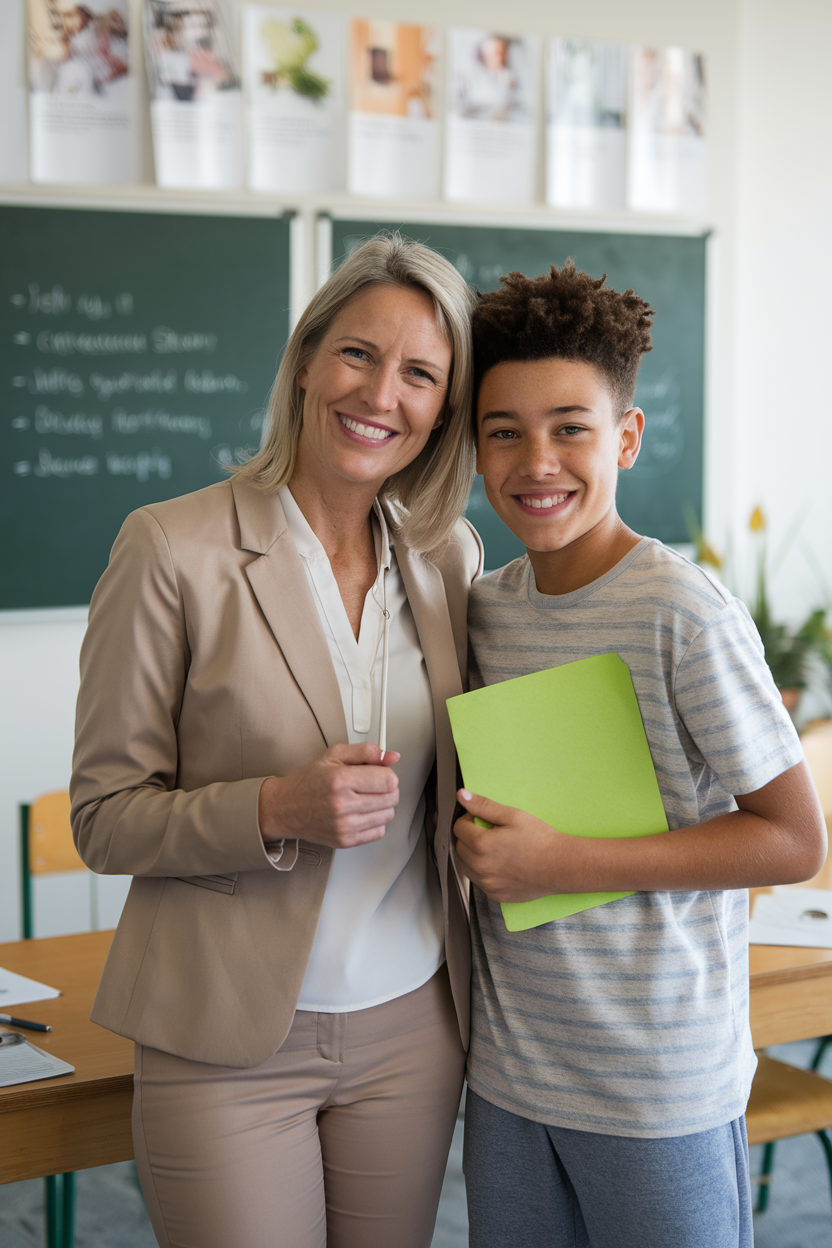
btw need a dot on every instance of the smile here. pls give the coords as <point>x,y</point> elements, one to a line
<point>542,504</point>
<point>374,432</point>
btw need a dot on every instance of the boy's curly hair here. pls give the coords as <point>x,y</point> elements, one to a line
<point>564,315</point>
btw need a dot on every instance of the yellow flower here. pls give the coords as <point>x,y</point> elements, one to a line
<point>758,520</point>
<point>706,554</point>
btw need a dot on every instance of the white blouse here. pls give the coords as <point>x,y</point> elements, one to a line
<point>380,933</point>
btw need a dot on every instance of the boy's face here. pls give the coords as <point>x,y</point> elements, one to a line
<point>549,448</point>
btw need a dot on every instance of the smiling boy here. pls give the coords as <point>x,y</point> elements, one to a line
<point>611,1056</point>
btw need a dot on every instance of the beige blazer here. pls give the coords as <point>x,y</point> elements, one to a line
<point>204,670</point>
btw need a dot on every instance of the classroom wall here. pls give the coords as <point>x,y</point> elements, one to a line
<point>766,200</point>
<point>784,273</point>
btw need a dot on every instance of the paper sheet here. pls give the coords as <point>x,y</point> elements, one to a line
<point>18,990</point>
<point>801,917</point>
<point>23,1062</point>
<point>568,746</point>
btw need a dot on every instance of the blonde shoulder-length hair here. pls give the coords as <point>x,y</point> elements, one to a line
<point>429,495</point>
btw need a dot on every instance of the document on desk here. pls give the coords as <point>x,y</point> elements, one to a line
<point>567,745</point>
<point>800,917</point>
<point>18,990</point>
<point>23,1062</point>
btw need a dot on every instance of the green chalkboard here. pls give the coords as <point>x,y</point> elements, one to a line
<point>668,271</point>
<point>136,355</point>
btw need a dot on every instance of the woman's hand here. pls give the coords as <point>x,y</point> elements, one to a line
<point>345,798</point>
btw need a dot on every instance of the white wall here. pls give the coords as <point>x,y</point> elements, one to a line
<point>783,408</point>
<point>38,662</point>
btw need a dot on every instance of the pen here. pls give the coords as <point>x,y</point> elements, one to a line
<point>21,1022</point>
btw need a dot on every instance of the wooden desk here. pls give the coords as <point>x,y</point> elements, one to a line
<point>791,989</point>
<point>83,1120</point>
<point>79,1120</point>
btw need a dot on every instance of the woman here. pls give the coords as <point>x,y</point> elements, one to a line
<point>292,960</point>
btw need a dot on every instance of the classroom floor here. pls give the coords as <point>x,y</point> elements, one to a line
<point>111,1212</point>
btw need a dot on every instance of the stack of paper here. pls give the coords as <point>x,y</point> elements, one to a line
<point>568,746</point>
<point>792,916</point>
<point>22,1062</point>
<point>17,989</point>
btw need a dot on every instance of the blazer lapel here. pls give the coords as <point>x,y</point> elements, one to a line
<point>426,595</point>
<point>279,582</point>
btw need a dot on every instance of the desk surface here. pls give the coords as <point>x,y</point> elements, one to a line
<point>73,1121</point>
<point>82,1120</point>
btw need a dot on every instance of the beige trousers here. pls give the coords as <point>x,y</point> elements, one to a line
<point>338,1141</point>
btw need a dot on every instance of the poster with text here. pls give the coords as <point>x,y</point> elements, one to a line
<point>667,157</point>
<point>586,117</point>
<point>293,70</point>
<point>14,166</point>
<point>394,129</point>
<point>196,108</point>
<point>81,92</point>
<point>492,116</point>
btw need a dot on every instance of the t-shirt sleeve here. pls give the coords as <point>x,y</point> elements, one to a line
<point>730,706</point>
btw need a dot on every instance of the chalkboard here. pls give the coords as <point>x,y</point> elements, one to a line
<point>666,270</point>
<point>136,355</point>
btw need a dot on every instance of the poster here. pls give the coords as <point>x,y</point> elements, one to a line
<point>667,157</point>
<point>196,109</point>
<point>13,163</point>
<point>491,132</point>
<point>394,130</point>
<point>81,92</point>
<point>586,117</point>
<point>294,80</point>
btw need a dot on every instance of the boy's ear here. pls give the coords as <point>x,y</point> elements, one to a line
<point>629,431</point>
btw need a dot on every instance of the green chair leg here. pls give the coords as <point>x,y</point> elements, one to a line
<point>824,1044</point>
<point>764,1178</point>
<point>53,1222</point>
<point>823,1136</point>
<point>68,1211</point>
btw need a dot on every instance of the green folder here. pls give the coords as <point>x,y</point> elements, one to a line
<point>568,746</point>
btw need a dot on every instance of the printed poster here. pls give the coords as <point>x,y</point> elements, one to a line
<point>491,132</point>
<point>14,165</point>
<point>81,92</point>
<point>394,129</point>
<point>586,118</point>
<point>196,108</point>
<point>294,78</point>
<point>667,159</point>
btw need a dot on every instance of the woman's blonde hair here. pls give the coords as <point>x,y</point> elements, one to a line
<point>430,493</point>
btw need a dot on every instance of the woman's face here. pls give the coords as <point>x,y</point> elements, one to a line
<point>375,389</point>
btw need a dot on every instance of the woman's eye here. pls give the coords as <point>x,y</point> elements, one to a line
<point>571,430</point>
<point>355,353</point>
<point>504,435</point>
<point>421,375</point>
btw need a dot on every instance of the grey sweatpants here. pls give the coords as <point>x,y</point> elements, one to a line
<point>535,1186</point>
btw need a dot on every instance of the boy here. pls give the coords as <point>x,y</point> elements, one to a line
<point>611,1056</point>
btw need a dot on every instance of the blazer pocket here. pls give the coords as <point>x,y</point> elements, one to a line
<point>216,883</point>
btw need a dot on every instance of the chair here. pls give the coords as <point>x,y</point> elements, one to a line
<point>786,1101</point>
<point>46,846</point>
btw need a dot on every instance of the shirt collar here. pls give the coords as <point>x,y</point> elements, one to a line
<point>309,546</point>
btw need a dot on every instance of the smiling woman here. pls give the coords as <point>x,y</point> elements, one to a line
<point>300,1029</point>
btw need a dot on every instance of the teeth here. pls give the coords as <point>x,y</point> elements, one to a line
<point>542,504</point>
<point>365,431</point>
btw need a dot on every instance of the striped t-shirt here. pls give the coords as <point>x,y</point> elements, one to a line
<point>632,1018</point>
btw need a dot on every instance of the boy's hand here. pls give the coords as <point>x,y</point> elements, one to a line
<point>511,860</point>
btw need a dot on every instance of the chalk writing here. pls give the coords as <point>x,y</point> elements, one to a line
<point>155,382</point>
<point>67,342</point>
<point>206,383</point>
<point>140,465</point>
<point>140,422</point>
<point>47,421</point>
<point>167,341</point>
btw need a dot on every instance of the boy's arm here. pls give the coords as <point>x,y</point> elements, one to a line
<point>778,836</point>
